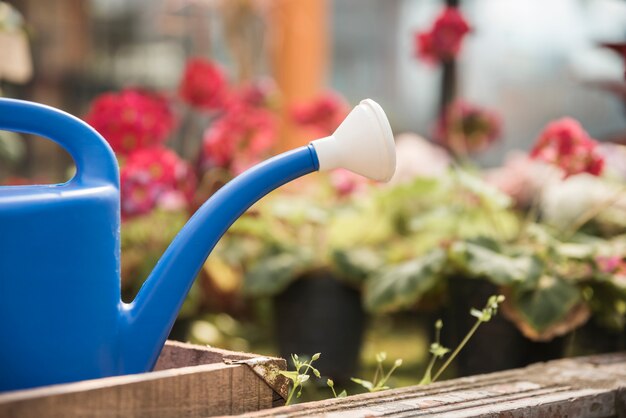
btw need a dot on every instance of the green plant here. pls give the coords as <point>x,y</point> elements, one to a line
<point>300,375</point>
<point>438,351</point>
<point>379,381</point>
<point>331,385</point>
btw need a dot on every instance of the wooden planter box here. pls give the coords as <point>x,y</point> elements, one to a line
<point>188,381</point>
<point>584,387</point>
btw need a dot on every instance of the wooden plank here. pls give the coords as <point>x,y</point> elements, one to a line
<point>198,390</point>
<point>592,386</point>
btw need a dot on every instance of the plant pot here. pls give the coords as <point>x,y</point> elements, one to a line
<point>496,345</point>
<point>319,314</point>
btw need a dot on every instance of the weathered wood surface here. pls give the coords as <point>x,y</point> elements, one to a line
<point>188,381</point>
<point>591,387</point>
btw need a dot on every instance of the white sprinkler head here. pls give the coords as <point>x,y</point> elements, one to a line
<point>363,144</point>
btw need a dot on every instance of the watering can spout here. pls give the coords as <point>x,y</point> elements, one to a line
<point>363,143</point>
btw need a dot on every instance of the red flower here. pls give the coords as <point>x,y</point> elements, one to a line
<point>566,144</point>
<point>443,40</point>
<point>258,94</point>
<point>323,115</point>
<point>239,139</point>
<point>151,176</point>
<point>203,85</point>
<point>465,128</point>
<point>131,119</point>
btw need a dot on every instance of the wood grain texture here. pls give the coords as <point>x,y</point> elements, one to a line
<point>206,386</point>
<point>593,387</point>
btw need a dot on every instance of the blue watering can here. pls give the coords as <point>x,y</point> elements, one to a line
<point>61,316</point>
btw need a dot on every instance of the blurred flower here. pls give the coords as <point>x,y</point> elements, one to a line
<point>239,139</point>
<point>465,128</point>
<point>261,93</point>
<point>614,156</point>
<point>566,144</point>
<point>416,157</point>
<point>323,115</point>
<point>131,119</point>
<point>522,178</point>
<point>611,264</point>
<point>347,183</point>
<point>203,85</point>
<point>155,176</point>
<point>564,202</point>
<point>443,40</point>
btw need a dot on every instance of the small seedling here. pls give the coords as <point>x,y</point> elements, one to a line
<point>331,385</point>
<point>300,375</point>
<point>438,351</point>
<point>380,377</point>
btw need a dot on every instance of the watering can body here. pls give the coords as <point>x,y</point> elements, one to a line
<point>61,316</point>
<point>59,254</point>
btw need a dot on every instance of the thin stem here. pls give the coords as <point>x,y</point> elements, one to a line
<point>428,373</point>
<point>291,392</point>
<point>388,375</point>
<point>458,349</point>
<point>379,371</point>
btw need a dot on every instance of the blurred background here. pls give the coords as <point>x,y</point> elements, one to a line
<point>227,83</point>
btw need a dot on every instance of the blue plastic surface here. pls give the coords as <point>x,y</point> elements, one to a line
<point>61,317</point>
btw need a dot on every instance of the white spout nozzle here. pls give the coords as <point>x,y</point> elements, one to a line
<point>363,144</point>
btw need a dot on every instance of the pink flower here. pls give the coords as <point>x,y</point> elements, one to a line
<point>521,177</point>
<point>347,183</point>
<point>151,176</point>
<point>443,40</point>
<point>610,264</point>
<point>322,115</point>
<point>258,94</point>
<point>203,85</point>
<point>239,139</point>
<point>131,119</point>
<point>567,145</point>
<point>466,128</point>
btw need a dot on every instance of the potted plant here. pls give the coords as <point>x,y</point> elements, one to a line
<point>557,265</point>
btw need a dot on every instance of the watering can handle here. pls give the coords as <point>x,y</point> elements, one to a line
<point>95,161</point>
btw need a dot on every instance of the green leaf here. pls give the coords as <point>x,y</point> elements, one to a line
<point>342,394</point>
<point>356,264</point>
<point>403,285</point>
<point>546,304</point>
<point>481,262</point>
<point>291,375</point>
<point>438,350</point>
<point>365,383</point>
<point>272,275</point>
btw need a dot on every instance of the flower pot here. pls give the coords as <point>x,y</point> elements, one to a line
<point>319,314</point>
<point>498,344</point>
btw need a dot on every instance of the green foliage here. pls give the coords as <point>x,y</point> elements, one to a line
<point>402,286</point>
<point>300,375</point>
<point>379,381</point>
<point>273,274</point>
<point>546,303</point>
<point>438,351</point>
<point>479,261</point>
